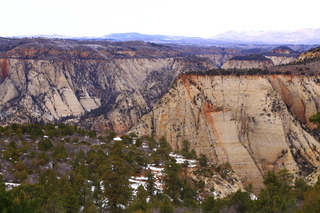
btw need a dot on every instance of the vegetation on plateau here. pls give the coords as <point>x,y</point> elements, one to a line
<point>238,72</point>
<point>69,169</point>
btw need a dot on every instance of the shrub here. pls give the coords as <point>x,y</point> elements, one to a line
<point>45,144</point>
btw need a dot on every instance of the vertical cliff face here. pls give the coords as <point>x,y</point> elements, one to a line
<point>97,84</point>
<point>111,93</point>
<point>254,122</point>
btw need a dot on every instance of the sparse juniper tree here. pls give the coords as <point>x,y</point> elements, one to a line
<point>315,119</point>
<point>203,160</point>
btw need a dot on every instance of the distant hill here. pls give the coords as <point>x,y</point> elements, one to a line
<point>230,38</point>
<point>303,36</point>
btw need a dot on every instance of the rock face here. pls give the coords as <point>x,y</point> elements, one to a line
<point>247,64</point>
<point>280,60</point>
<point>257,123</point>
<point>96,84</point>
<point>43,90</point>
<point>253,61</point>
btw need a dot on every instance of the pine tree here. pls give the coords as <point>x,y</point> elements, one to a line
<point>141,199</point>
<point>278,196</point>
<point>150,183</point>
<point>116,183</point>
<point>172,182</point>
<point>166,206</point>
<point>71,198</point>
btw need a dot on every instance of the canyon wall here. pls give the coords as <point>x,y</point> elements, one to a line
<point>95,84</point>
<point>247,64</point>
<point>257,123</point>
<point>49,90</point>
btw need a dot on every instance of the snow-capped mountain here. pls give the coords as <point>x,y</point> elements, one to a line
<point>303,36</point>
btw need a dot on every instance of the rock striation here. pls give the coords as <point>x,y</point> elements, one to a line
<point>97,84</point>
<point>256,123</point>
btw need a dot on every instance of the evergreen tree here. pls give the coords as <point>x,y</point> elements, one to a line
<point>140,202</point>
<point>45,144</point>
<point>55,203</point>
<point>278,196</point>
<point>203,160</point>
<point>312,200</point>
<point>164,148</point>
<point>166,206</point>
<point>172,182</point>
<point>116,183</point>
<point>241,201</point>
<point>71,198</point>
<point>315,119</point>
<point>150,183</point>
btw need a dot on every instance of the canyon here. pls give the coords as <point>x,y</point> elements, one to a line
<point>95,84</point>
<point>257,123</point>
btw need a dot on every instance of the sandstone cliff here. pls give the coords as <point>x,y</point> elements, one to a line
<point>96,84</point>
<point>257,123</point>
<point>44,90</point>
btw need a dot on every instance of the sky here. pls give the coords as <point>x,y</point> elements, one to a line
<point>197,18</point>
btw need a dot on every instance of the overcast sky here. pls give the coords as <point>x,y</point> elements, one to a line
<point>201,18</point>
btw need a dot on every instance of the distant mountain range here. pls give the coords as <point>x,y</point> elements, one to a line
<point>303,36</point>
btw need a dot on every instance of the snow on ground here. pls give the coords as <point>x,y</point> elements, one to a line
<point>136,181</point>
<point>9,186</point>
<point>253,197</point>
<point>157,172</point>
<point>180,160</point>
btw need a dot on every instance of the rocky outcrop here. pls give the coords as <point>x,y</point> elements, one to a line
<point>282,55</point>
<point>311,55</point>
<point>278,56</point>
<point>217,59</point>
<point>253,61</point>
<point>281,60</point>
<point>257,123</point>
<point>247,64</point>
<point>282,50</point>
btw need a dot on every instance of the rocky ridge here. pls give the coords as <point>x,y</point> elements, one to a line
<point>256,123</point>
<point>278,56</point>
<point>311,55</point>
